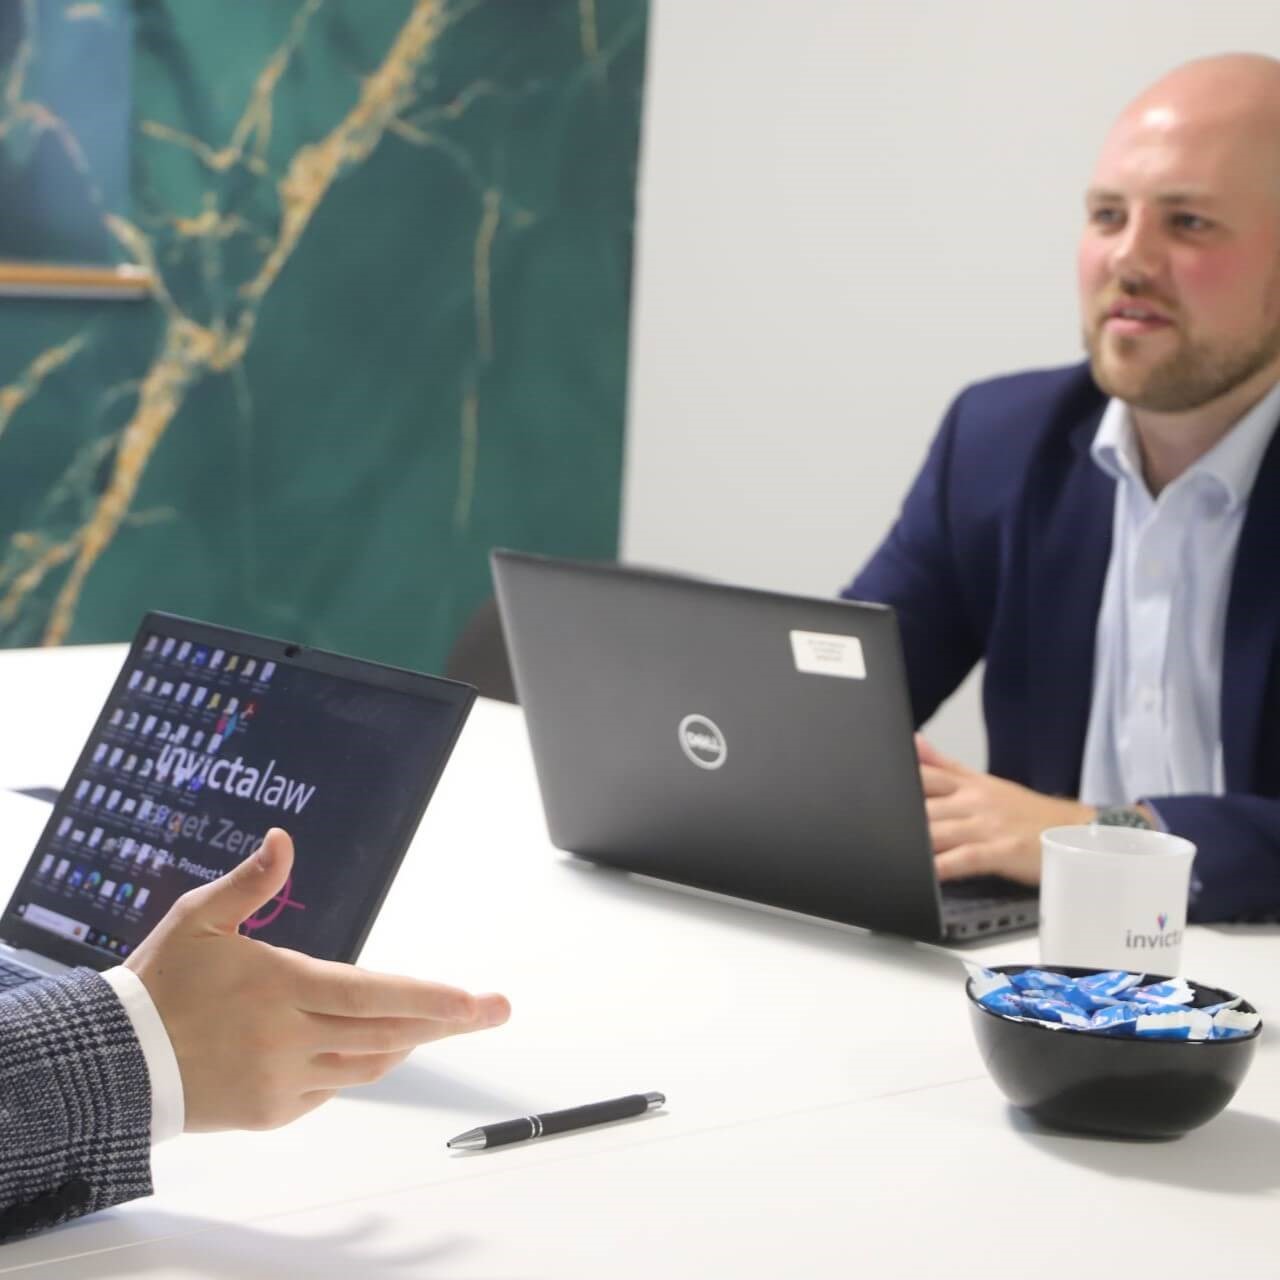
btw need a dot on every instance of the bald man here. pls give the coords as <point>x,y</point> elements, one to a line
<point>1107,536</point>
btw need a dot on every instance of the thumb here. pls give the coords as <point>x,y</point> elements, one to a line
<point>222,905</point>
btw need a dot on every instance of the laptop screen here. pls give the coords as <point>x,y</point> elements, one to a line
<point>209,738</point>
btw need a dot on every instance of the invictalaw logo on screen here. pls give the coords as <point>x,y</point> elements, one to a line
<point>196,770</point>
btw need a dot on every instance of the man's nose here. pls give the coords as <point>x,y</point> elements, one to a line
<point>1137,252</point>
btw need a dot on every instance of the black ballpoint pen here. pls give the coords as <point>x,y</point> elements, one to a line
<point>498,1135</point>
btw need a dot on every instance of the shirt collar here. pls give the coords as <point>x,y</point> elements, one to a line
<point>1232,463</point>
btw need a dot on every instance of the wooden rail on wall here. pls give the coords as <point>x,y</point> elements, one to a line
<point>72,280</point>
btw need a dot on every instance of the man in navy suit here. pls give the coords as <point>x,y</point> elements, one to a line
<point>202,1028</point>
<point>1107,536</point>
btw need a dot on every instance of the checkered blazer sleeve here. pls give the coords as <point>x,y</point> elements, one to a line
<point>75,1103</point>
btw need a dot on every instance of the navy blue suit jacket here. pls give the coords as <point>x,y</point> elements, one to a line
<point>1000,553</point>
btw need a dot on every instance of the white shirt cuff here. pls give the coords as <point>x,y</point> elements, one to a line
<point>168,1103</point>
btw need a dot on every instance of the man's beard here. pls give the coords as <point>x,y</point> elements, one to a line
<point>1194,376</point>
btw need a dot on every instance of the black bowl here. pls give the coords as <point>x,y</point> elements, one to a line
<point>1112,1085</point>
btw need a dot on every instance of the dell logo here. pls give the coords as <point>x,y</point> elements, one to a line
<point>702,741</point>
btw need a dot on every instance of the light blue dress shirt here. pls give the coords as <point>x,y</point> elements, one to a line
<point>1154,719</point>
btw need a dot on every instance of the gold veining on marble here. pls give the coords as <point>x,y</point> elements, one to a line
<point>16,394</point>
<point>255,121</point>
<point>18,110</point>
<point>30,578</point>
<point>470,441</point>
<point>589,30</point>
<point>483,273</point>
<point>313,169</point>
<point>189,350</point>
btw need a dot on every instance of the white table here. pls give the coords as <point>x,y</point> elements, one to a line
<point>808,1132</point>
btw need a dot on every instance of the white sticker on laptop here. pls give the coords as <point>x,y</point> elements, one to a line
<point>819,654</point>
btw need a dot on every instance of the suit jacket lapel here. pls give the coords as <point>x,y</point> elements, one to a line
<point>1253,624</point>
<point>1069,547</point>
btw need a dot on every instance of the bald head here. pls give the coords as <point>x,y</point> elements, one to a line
<point>1229,104</point>
<point>1179,261</point>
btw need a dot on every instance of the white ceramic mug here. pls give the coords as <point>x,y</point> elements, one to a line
<point>1114,898</point>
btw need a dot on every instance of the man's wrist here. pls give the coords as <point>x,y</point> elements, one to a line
<point>168,1101</point>
<point>1137,816</point>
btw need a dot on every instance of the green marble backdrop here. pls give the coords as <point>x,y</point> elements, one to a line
<point>393,244</point>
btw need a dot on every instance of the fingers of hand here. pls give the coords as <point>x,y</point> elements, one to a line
<point>962,861</point>
<point>928,754</point>
<point>344,991</point>
<point>951,833</point>
<point>342,1070</point>
<point>938,782</point>
<point>332,1033</point>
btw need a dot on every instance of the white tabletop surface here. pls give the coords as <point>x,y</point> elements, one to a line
<point>828,1112</point>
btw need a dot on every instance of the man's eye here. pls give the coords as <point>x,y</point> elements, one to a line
<point>1106,217</point>
<point>1190,222</point>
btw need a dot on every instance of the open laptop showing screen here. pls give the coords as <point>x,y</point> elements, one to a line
<point>210,737</point>
<point>745,742</point>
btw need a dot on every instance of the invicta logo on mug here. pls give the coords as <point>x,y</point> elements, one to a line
<point>1163,938</point>
<point>702,742</point>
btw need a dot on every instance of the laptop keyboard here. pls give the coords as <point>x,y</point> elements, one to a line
<point>986,904</point>
<point>15,975</point>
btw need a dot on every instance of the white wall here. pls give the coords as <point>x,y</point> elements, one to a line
<point>848,210</point>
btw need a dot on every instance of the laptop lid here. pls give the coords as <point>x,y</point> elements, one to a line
<point>209,737</point>
<point>742,741</point>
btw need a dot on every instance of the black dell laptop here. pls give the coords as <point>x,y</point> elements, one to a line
<point>745,742</point>
<point>208,738</point>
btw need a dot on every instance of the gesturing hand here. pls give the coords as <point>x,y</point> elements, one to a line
<point>982,825</point>
<point>263,1034</point>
